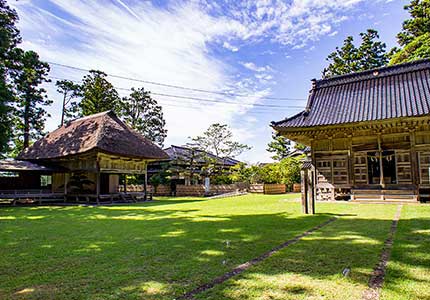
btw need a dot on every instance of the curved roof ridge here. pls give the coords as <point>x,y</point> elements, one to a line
<point>385,93</point>
<point>375,72</point>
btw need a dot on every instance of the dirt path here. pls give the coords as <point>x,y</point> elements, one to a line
<point>241,268</point>
<point>378,274</point>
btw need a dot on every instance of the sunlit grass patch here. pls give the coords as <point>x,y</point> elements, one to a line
<point>162,249</point>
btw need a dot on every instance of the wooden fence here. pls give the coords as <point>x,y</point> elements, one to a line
<point>199,190</point>
<point>275,188</point>
<point>194,190</point>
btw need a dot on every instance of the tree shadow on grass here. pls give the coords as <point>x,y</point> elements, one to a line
<point>109,253</point>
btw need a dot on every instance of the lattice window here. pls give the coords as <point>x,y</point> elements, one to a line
<point>340,170</point>
<point>360,168</point>
<point>324,170</point>
<point>404,169</point>
<point>424,158</point>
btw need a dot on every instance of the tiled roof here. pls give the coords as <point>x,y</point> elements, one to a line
<point>103,131</point>
<point>182,153</point>
<point>389,92</point>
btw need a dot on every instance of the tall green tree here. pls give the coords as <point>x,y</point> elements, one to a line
<point>98,94</point>
<point>418,24</point>
<point>70,91</point>
<point>9,39</point>
<point>372,52</point>
<point>415,35</point>
<point>141,112</point>
<point>218,139</point>
<point>31,99</point>
<point>348,59</point>
<point>280,146</point>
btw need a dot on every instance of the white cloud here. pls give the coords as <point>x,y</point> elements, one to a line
<point>172,44</point>
<point>230,47</point>
<point>251,66</point>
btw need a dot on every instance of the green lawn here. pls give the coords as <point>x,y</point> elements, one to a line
<point>163,249</point>
<point>408,275</point>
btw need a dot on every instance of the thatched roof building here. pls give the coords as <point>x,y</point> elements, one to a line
<point>87,155</point>
<point>103,132</point>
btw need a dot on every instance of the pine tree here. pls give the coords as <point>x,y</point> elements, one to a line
<point>70,91</point>
<point>280,146</point>
<point>371,53</point>
<point>30,115</point>
<point>415,36</point>
<point>98,94</point>
<point>348,59</point>
<point>418,24</point>
<point>9,38</point>
<point>141,112</point>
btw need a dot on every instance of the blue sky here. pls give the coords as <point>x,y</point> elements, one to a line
<point>261,49</point>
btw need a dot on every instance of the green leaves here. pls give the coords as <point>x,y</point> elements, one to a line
<point>348,59</point>
<point>415,35</point>
<point>98,94</point>
<point>9,38</point>
<point>141,112</point>
<point>287,171</point>
<point>280,146</point>
<point>30,114</point>
<point>217,139</point>
<point>418,24</point>
<point>418,48</point>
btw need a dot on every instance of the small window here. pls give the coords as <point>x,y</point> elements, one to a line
<point>45,180</point>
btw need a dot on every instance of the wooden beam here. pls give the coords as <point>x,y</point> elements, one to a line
<point>381,166</point>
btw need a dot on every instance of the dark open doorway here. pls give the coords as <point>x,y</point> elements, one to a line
<point>388,166</point>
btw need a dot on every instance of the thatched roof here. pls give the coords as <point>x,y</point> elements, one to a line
<point>386,93</point>
<point>103,132</point>
<point>11,165</point>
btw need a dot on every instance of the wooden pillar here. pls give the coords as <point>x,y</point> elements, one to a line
<point>145,185</point>
<point>312,190</point>
<point>98,181</point>
<point>414,163</point>
<point>125,183</point>
<point>98,187</point>
<point>381,169</point>
<point>350,162</point>
<point>304,175</point>
<point>66,181</point>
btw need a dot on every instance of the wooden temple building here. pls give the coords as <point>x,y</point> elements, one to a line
<point>82,160</point>
<point>369,134</point>
<point>185,161</point>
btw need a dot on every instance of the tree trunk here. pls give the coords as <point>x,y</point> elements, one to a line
<point>26,125</point>
<point>64,109</point>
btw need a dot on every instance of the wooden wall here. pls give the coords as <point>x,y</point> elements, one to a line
<point>342,162</point>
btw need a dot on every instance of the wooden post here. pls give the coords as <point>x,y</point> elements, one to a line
<point>304,175</point>
<point>381,165</point>
<point>98,187</point>
<point>350,162</point>
<point>414,163</point>
<point>312,188</point>
<point>145,185</point>
<point>125,183</point>
<point>66,181</point>
<point>98,181</point>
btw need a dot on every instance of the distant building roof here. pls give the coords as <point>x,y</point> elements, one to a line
<point>11,165</point>
<point>390,92</point>
<point>185,153</point>
<point>103,131</point>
